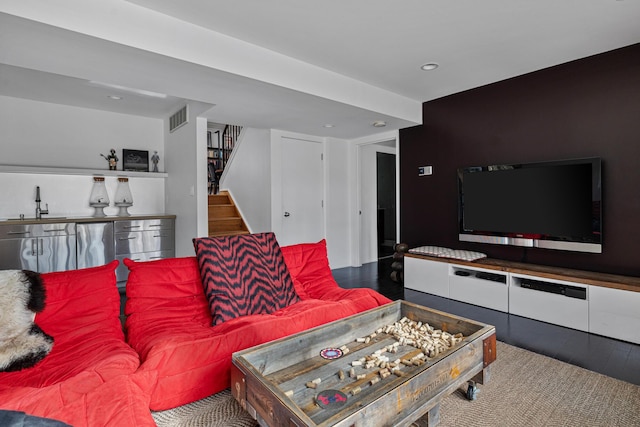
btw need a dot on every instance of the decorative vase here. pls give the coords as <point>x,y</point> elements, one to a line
<point>123,198</point>
<point>99,199</point>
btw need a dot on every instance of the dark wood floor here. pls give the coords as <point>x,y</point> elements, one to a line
<point>617,359</point>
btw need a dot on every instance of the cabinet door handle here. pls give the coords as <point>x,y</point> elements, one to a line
<point>41,245</point>
<point>33,247</point>
<point>54,229</point>
<point>155,225</point>
<point>127,238</point>
<point>131,226</point>
<point>160,235</point>
<point>155,257</point>
<point>18,233</point>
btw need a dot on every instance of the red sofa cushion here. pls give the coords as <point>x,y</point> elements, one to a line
<point>90,363</point>
<point>169,323</point>
<point>309,266</point>
<point>162,296</point>
<point>243,275</point>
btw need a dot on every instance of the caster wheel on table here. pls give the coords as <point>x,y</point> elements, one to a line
<point>472,391</point>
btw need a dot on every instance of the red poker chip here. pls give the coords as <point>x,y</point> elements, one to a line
<point>331,399</point>
<point>330,353</point>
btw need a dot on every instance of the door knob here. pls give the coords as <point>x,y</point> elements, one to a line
<point>286,214</point>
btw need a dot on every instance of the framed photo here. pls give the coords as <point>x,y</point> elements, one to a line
<point>135,160</point>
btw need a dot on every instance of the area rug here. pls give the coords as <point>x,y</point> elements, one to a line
<point>526,389</point>
<point>219,410</point>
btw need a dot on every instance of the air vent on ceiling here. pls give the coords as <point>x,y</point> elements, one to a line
<point>178,119</point>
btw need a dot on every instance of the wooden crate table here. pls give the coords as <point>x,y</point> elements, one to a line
<point>272,381</point>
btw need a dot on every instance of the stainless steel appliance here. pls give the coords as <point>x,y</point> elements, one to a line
<point>95,243</point>
<point>142,240</point>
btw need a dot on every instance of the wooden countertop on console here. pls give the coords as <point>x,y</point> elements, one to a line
<point>626,283</point>
<point>82,219</point>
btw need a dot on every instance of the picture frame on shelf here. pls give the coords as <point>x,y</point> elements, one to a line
<point>135,160</point>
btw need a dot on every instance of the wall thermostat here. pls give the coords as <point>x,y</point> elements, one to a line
<point>425,170</point>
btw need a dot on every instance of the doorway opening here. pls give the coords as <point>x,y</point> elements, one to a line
<point>386,202</point>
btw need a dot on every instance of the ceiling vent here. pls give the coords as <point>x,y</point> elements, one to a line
<point>178,119</point>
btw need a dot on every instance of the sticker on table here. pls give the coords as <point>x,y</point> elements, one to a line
<point>331,353</point>
<point>331,399</point>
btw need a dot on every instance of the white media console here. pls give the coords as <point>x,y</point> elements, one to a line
<point>602,304</point>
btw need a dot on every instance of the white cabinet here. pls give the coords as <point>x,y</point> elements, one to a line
<point>426,276</point>
<point>486,288</point>
<point>589,302</point>
<point>552,301</point>
<point>478,286</point>
<point>615,313</point>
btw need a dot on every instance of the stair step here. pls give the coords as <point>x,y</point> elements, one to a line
<point>219,199</point>
<point>225,224</point>
<point>227,233</point>
<point>224,218</point>
<point>222,211</point>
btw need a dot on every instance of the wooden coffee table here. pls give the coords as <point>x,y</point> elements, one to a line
<point>273,381</point>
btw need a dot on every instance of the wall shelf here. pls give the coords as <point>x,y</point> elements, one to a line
<point>50,170</point>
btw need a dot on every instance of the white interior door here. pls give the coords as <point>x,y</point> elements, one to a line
<point>302,192</point>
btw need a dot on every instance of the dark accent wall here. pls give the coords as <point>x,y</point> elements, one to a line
<point>585,108</point>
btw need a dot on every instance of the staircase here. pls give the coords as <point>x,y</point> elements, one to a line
<point>224,217</point>
<point>219,149</point>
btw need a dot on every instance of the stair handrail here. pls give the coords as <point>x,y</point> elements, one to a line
<point>236,145</point>
<point>230,136</point>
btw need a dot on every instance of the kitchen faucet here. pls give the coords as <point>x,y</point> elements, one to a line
<point>40,211</point>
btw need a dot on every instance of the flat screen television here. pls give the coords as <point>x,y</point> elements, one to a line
<point>553,205</point>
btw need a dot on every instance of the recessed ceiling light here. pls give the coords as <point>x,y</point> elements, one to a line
<point>429,66</point>
<point>114,97</point>
<point>329,125</point>
<point>379,124</point>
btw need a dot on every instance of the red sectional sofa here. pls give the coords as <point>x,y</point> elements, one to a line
<point>93,378</point>
<point>169,321</point>
<point>90,376</point>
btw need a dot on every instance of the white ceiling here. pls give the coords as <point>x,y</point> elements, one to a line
<point>292,64</point>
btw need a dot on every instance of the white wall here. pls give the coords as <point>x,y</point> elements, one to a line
<point>248,178</point>
<point>68,195</point>
<point>186,185</point>
<point>43,134</point>
<point>339,203</point>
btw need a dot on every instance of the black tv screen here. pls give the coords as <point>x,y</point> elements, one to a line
<point>555,205</point>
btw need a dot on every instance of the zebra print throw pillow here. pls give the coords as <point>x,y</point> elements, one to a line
<point>243,275</point>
